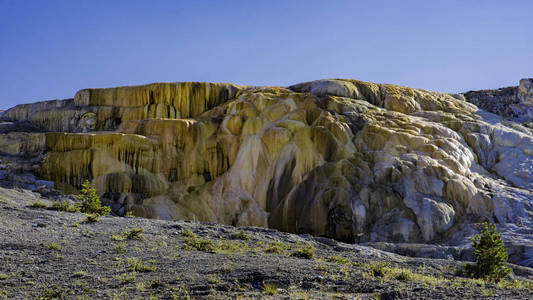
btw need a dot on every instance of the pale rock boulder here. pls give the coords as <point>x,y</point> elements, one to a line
<point>432,216</point>
<point>525,92</point>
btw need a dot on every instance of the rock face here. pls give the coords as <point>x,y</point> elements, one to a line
<point>525,92</point>
<point>515,103</point>
<point>347,159</point>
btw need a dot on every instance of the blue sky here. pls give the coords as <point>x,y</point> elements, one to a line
<point>50,49</point>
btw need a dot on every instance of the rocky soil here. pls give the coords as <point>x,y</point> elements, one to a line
<point>46,254</point>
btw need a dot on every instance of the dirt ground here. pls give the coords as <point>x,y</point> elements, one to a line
<point>47,254</point>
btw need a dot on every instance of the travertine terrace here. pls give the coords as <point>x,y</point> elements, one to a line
<point>346,159</point>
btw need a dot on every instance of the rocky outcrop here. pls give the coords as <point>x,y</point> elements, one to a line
<point>513,103</point>
<point>347,159</point>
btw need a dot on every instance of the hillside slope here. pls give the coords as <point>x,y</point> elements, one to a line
<point>47,255</point>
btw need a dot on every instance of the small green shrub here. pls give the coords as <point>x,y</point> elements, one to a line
<point>404,275</point>
<point>276,247</point>
<point>339,260</point>
<point>378,269</point>
<point>491,255</point>
<point>80,274</point>
<point>199,244</point>
<point>386,271</point>
<point>306,251</point>
<point>55,293</point>
<point>120,248</point>
<point>89,201</point>
<point>92,218</point>
<point>241,235</point>
<point>128,278</point>
<point>4,276</point>
<point>270,288</point>
<point>37,204</point>
<point>53,246</point>
<point>64,206</point>
<point>118,237</point>
<point>75,224</point>
<point>231,247</point>
<point>516,284</point>
<point>321,266</point>
<point>194,242</point>
<point>187,232</point>
<point>137,265</point>
<point>135,233</point>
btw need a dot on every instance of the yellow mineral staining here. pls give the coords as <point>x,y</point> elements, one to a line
<point>307,151</point>
<point>291,125</point>
<point>72,158</point>
<point>55,120</point>
<point>299,114</point>
<point>252,126</point>
<point>326,144</point>
<point>400,100</point>
<point>460,192</point>
<point>186,147</point>
<point>340,130</point>
<point>150,111</point>
<point>23,112</point>
<point>369,91</point>
<point>325,187</point>
<point>243,108</point>
<point>189,98</point>
<point>129,182</point>
<point>115,105</point>
<point>392,97</point>
<point>14,143</point>
<point>408,100</point>
<point>232,124</point>
<point>329,157</point>
<point>275,138</point>
<point>279,110</point>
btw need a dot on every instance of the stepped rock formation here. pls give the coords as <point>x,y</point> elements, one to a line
<point>347,159</point>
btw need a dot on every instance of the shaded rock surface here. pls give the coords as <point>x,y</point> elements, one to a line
<point>346,159</point>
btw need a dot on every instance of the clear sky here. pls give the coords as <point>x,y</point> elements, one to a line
<point>50,49</point>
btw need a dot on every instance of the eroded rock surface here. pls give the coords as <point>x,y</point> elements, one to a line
<point>347,159</point>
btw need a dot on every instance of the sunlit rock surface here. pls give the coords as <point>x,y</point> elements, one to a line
<point>347,159</point>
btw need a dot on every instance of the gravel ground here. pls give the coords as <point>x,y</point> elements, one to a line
<point>46,254</point>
